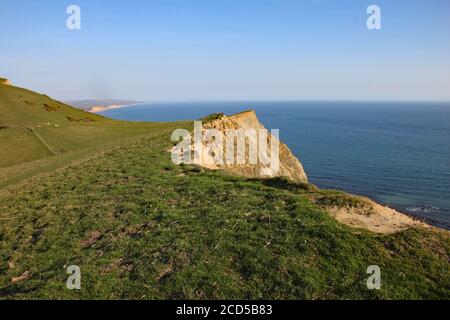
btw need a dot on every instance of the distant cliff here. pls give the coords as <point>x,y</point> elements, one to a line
<point>99,105</point>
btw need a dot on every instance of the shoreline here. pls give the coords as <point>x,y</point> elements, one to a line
<point>403,209</point>
<point>99,109</point>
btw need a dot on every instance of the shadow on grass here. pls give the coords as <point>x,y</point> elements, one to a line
<point>285,184</point>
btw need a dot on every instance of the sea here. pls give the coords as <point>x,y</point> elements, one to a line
<point>397,153</point>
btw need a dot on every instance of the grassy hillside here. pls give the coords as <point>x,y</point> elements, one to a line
<point>140,227</point>
<point>34,126</point>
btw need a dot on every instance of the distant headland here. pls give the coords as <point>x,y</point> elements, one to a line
<point>99,105</point>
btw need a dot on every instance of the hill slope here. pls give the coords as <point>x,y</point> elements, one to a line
<point>140,227</point>
<point>22,108</point>
<point>34,126</point>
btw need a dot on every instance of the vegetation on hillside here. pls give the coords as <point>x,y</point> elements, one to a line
<point>35,127</point>
<point>141,227</point>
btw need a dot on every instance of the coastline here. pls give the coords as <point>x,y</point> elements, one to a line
<point>99,109</point>
<point>100,105</point>
<point>402,209</point>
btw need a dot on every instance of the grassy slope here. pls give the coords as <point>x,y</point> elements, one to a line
<point>34,126</point>
<point>181,232</point>
<point>39,134</point>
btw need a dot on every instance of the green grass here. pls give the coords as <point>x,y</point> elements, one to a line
<point>182,232</point>
<point>212,117</point>
<point>35,126</point>
<point>20,144</point>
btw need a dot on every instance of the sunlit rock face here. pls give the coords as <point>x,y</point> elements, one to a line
<point>280,162</point>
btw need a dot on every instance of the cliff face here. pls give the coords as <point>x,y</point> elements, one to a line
<point>288,165</point>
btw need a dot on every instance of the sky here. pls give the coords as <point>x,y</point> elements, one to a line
<point>196,50</point>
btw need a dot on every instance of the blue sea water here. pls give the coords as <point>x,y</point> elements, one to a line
<point>397,153</point>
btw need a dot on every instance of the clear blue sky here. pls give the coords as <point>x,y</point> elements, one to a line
<point>228,49</point>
